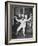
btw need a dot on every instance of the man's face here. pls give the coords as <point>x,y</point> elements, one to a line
<point>22,16</point>
<point>25,16</point>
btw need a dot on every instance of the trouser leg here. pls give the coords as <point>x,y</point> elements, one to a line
<point>18,29</point>
<point>24,31</point>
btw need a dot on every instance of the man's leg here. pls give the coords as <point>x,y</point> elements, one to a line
<point>24,28</point>
<point>24,31</point>
<point>18,29</point>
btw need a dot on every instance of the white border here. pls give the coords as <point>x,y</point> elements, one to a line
<point>34,24</point>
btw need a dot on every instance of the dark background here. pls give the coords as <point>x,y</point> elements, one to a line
<point>29,30</point>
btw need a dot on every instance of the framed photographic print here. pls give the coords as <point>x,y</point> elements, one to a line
<point>20,22</point>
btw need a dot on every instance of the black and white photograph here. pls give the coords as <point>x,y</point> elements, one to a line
<point>20,22</point>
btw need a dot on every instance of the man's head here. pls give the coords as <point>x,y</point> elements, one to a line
<point>22,16</point>
<point>26,16</point>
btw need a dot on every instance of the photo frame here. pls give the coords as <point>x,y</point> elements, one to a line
<point>20,22</point>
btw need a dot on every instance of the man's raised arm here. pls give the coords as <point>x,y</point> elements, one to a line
<point>29,18</point>
<point>17,19</point>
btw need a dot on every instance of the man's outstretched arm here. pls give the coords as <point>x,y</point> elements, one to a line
<point>17,19</point>
<point>29,18</point>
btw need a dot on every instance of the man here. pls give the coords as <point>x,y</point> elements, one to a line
<point>23,23</point>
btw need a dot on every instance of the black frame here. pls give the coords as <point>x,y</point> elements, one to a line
<point>6,14</point>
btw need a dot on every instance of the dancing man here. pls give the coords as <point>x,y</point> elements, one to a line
<point>23,23</point>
